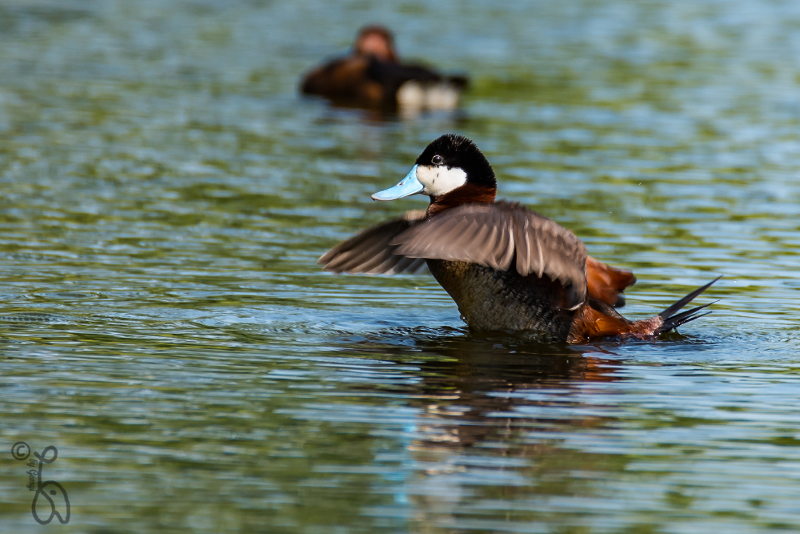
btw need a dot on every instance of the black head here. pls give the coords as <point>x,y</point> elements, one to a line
<point>451,152</point>
<point>451,171</point>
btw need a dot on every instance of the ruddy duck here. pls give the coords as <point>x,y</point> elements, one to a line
<point>506,267</point>
<point>372,76</point>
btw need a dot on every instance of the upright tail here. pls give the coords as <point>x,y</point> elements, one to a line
<point>672,320</point>
<point>596,319</point>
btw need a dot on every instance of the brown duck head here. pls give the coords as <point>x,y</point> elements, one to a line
<point>375,41</point>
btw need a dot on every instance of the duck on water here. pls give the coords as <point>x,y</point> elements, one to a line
<point>507,268</point>
<point>373,76</point>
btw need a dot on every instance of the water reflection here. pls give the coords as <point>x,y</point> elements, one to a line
<point>475,390</point>
<point>493,426</point>
<point>489,384</point>
<point>347,113</point>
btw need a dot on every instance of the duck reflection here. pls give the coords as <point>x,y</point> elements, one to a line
<point>493,388</point>
<point>500,421</point>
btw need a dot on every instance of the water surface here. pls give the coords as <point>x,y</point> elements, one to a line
<point>165,195</point>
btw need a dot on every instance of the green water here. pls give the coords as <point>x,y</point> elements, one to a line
<point>164,196</point>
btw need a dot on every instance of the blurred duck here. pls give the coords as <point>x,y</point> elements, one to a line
<point>507,268</point>
<point>372,76</point>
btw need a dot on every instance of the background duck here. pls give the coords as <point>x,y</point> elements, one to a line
<point>372,76</point>
<point>506,267</point>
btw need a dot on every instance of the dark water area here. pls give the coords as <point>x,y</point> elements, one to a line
<point>165,194</point>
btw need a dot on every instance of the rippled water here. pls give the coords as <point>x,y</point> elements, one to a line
<point>164,195</point>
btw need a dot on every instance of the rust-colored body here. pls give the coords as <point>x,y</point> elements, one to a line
<point>493,300</point>
<point>490,300</point>
<point>606,282</point>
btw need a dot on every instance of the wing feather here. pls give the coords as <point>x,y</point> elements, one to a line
<point>500,235</point>
<point>370,251</point>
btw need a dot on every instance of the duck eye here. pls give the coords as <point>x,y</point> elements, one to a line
<point>437,160</point>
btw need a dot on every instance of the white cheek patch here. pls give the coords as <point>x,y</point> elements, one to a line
<point>440,180</point>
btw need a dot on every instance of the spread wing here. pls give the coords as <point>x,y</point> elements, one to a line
<point>371,251</point>
<point>502,236</point>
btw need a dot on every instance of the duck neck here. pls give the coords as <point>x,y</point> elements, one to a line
<point>466,194</point>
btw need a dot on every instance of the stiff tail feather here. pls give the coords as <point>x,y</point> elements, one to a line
<point>672,319</point>
<point>597,320</point>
